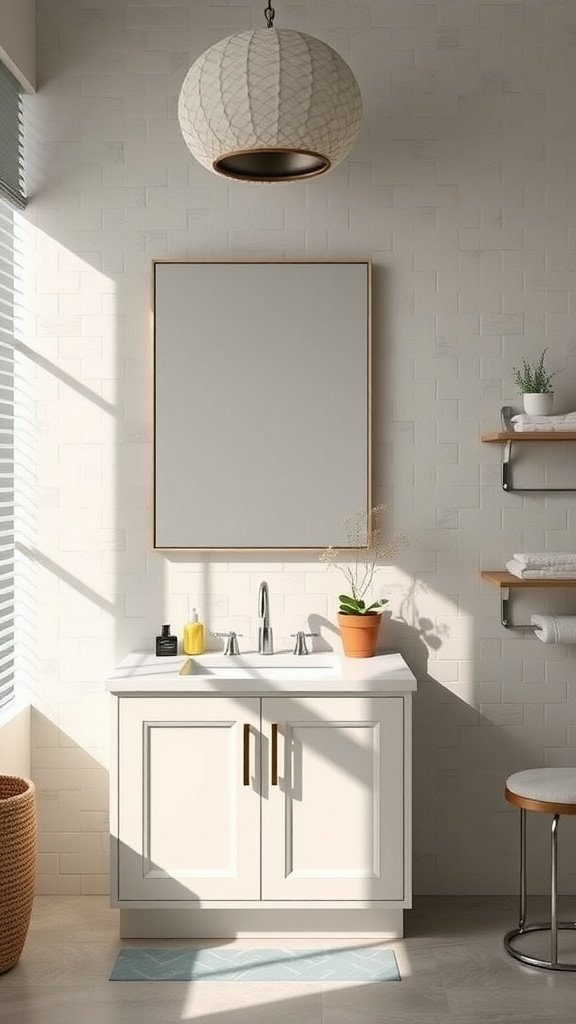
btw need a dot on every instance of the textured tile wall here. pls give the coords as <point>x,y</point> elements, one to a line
<point>461,189</point>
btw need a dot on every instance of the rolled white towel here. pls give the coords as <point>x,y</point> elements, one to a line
<point>555,629</point>
<point>542,559</point>
<point>551,572</point>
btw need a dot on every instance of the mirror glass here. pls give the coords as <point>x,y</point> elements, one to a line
<point>261,403</point>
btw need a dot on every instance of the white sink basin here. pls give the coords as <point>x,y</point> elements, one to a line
<point>275,667</point>
<point>323,673</point>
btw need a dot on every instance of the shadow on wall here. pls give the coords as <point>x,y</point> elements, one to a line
<point>72,800</point>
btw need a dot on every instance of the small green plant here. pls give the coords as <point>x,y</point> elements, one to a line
<point>533,379</point>
<point>355,606</point>
<point>360,561</point>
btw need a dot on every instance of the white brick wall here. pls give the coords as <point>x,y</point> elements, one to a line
<point>461,190</point>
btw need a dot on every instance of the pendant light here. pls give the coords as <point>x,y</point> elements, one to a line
<point>270,105</point>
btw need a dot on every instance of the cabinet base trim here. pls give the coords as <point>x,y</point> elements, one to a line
<point>271,924</point>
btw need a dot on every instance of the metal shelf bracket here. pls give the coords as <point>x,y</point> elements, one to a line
<point>507,484</point>
<point>505,616</point>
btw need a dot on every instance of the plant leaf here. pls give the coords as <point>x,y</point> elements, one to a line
<point>533,378</point>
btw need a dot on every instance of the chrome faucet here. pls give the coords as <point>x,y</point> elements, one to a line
<point>265,638</point>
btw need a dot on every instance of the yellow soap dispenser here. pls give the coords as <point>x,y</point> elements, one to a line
<point>193,639</point>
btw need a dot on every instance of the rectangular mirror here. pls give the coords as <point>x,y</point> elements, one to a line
<point>262,403</point>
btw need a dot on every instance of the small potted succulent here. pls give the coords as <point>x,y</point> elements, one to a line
<point>534,383</point>
<point>359,619</point>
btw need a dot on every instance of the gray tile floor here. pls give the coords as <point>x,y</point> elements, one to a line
<point>452,964</point>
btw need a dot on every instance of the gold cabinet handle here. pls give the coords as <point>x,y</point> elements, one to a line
<point>246,763</point>
<point>274,754</point>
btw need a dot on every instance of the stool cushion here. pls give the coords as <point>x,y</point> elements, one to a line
<point>548,785</point>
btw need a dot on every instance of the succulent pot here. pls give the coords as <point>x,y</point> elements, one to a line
<point>17,865</point>
<point>359,634</point>
<point>538,404</point>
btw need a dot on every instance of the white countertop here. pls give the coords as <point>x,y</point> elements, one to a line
<point>283,673</point>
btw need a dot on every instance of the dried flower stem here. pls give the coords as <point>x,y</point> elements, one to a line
<point>365,558</point>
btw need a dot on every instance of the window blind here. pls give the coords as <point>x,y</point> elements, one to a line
<point>7,302</point>
<point>11,139</point>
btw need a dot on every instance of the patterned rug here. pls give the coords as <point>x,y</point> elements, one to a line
<point>360,964</point>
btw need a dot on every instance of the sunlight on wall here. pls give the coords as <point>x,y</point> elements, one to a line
<point>66,368</point>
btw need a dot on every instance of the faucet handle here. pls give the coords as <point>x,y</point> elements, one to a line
<point>231,641</point>
<point>300,647</point>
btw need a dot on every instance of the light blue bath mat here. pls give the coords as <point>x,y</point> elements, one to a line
<point>360,964</point>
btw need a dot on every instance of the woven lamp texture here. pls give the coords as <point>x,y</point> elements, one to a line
<point>17,865</point>
<point>272,91</point>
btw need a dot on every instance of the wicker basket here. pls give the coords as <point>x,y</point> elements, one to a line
<point>17,865</point>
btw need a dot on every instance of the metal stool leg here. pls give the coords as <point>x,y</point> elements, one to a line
<point>522,915</point>
<point>554,893</point>
<point>554,926</point>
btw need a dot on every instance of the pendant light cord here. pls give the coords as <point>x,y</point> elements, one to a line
<point>269,14</point>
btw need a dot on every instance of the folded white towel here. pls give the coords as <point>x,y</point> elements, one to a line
<point>523,422</point>
<point>524,417</point>
<point>555,629</point>
<point>551,572</point>
<point>548,428</point>
<point>541,559</point>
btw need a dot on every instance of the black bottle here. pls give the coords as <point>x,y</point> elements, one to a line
<point>166,645</point>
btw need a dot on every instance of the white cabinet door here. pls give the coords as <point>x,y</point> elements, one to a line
<point>189,798</point>
<point>333,826</point>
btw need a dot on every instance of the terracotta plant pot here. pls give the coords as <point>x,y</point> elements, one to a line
<point>359,634</point>
<point>17,865</point>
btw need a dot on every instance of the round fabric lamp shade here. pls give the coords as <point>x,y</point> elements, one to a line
<point>270,105</point>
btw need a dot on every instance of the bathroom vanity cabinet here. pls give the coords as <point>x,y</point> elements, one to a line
<point>258,795</point>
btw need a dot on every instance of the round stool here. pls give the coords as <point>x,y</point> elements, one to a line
<point>550,791</point>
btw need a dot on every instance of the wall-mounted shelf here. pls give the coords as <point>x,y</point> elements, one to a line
<point>507,437</point>
<point>505,581</point>
<point>529,435</point>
